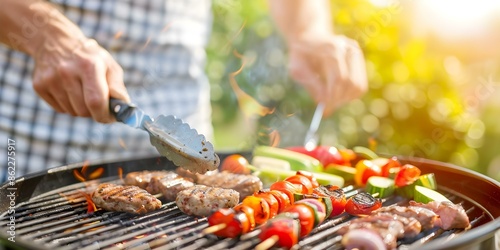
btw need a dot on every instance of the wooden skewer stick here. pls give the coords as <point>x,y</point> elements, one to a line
<point>268,243</point>
<point>214,228</point>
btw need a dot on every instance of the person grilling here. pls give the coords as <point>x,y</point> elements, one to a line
<point>61,61</point>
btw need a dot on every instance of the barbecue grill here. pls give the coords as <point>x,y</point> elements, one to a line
<point>51,213</point>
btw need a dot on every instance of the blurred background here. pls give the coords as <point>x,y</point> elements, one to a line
<point>433,69</point>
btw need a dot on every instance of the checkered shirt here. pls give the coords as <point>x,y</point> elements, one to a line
<point>160,46</point>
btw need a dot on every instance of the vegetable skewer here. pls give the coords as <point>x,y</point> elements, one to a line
<point>300,201</point>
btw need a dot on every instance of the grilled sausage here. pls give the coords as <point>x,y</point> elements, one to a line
<point>200,200</point>
<point>131,199</point>
<point>245,185</point>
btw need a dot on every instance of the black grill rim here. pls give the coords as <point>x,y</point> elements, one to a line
<point>31,185</point>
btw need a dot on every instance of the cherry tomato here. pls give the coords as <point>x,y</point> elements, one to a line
<point>391,167</point>
<point>309,176</point>
<point>233,222</point>
<point>286,187</point>
<point>271,201</point>
<point>406,175</point>
<point>260,208</point>
<point>236,164</point>
<point>362,204</point>
<point>364,170</point>
<point>283,199</point>
<point>325,154</point>
<point>248,211</point>
<point>286,228</point>
<point>336,195</point>
<point>302,182</point>
<point>306,217</point>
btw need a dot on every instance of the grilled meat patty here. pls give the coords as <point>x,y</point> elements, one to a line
<point>131,199</point>
<point>169,186</point>
<point>245,185</point>
<point>200,200</point>
<point>142,178</point>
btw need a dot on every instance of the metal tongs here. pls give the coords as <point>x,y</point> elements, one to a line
<point>311,139</point>
<point>172,137</point>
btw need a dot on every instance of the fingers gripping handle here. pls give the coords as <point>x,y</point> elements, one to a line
<point>120,109</point>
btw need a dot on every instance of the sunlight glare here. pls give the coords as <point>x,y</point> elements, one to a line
<point>456,17</point>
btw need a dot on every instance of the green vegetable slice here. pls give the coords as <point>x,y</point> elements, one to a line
<point>365,152</point>
<point>381,185</point>
<point>268,162</point>
<point>426,195</point>
<point>427,180</point>
<point>345,172</point>
<point>297,161</point>
<point>269,176</point>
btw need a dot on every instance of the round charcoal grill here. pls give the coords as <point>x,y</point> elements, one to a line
<point>51,213</point>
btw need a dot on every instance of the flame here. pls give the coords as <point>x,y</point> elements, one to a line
<point>148,40</point>
<point>145,44</point>
<point>167,26</point>
<point>235,35</point>
<point>78,175</point>
<point>122,143</point>
<point>140,236</point>
<point>274,138</point>
<point>96,173</point>
<point>90,204</point>
<point>118,35</point>
<point>372,144</point>
<point>84,167</point>
<point>249,106</point>
<point>79,196</point>
<point>120,173</point>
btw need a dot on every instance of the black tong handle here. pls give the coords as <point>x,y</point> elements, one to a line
<point>120,109</point>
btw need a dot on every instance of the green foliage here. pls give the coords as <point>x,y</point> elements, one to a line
<point>413,107</point>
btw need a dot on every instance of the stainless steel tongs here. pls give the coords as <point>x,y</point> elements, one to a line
<point>173,138</point>
<point>311,139</point>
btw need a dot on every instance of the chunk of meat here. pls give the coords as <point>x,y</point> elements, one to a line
<point>130,199</point>
<point>450,215</point>
<point>411,226</point>
<point>200,200</point>
<point>169,186</point>
<point>426,217</point>
<point>142,178</point>
<point>245,185</point>
<point>388,230</point>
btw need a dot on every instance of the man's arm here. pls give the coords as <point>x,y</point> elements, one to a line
<point>72,72</point>
<point>28,24</point>
<point>297,18</point>
<point>330,67</point>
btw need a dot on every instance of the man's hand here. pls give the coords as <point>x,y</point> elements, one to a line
<point>331,68</point>
<point>79,81</point>
<point>72,73</point>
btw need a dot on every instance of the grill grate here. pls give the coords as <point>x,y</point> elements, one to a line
<point>59,220</point>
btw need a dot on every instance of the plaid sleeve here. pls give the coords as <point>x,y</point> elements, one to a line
<point>160,46</point>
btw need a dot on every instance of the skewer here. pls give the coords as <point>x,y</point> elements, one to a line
<point>268,243</point>
<point>214,228</point>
